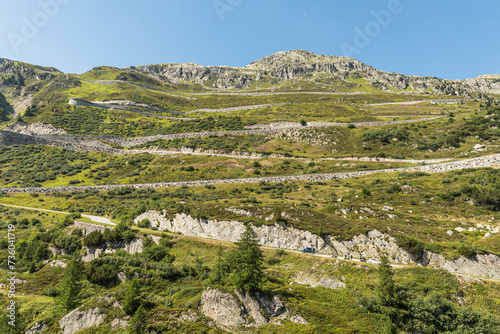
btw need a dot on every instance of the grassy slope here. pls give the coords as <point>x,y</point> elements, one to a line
<point>331,311</point>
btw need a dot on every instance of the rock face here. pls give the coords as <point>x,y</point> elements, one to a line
<point>280,236</point>
<point>76,320</point>
<point>373,244</point>
<point>132,247</point>
<point>484,265</point>
<point>298,67</point>
<point>249,309</point>
<point>222,307</point>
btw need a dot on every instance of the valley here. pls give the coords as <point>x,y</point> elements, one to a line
<point>146,185</point>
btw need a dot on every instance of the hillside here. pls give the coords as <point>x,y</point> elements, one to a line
<point>177,198</point>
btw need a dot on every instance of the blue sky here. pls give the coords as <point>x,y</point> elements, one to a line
<point>449,39</point>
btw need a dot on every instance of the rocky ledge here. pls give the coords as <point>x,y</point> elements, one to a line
<point>371,245</point>
<point>248,309</point>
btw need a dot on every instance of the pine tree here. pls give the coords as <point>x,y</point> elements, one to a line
<point>220,270</point>
<point>246,262</point>
<point>71,285</point>
<point>386,288</point>
<point>131,301</point>
<point>138,322</point>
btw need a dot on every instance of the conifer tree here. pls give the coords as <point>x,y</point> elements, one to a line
<point>131,301</point>
<point>246,262</point>
<point>71,285</point>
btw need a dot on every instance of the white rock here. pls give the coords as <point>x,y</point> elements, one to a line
<point>76,320</point>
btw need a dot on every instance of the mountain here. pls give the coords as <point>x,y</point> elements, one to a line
<point>296,70</point>
<point>303,70</point>
<point>17,78</point>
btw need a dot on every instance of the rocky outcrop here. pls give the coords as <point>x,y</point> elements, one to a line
<point>371,245</point>
<point>325,282</point>
<point>483,265</point>
<point>223,308</point>
<point>36,328</point>
<point>88,228</point>
<point>288,70</point>
<point>132,247</point>
<point>77,320</point>
<point>35,129</point>
<point>248,309</point>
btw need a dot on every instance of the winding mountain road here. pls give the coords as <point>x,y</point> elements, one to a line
<point>95,219</point>
<point>481,162</point>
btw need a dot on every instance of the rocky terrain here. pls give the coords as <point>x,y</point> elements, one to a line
<point>281,236</point>
<point>305,68</point>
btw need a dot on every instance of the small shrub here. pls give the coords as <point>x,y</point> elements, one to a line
<point>93,239</point>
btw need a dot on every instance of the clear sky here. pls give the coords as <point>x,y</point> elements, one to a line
<point>453,39</point>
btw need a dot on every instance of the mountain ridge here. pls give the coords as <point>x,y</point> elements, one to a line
<point>296,70</point>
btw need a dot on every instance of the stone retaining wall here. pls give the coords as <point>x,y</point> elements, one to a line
<point>487,161</point>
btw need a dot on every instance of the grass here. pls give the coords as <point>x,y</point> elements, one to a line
<point>332,311</point>
<point>26,166</point>
<point>335,206</point>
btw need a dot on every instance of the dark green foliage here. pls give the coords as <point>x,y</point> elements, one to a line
<point>157,253</point>
<point>69,243</point>
<point>467,251</point>
<point>93,239</point>
<point>393,188</point>
<point>144,223</point>
<point>138,322</point>
<point>365,192</point>
<point>12,326</point>
<point>351,126</point>
<point>31,165</point>
<point>245,262</point>
<point>434,314</point>
<point>32,251</point>
<point>410,244</point>
<point>71,285</point>
<point>205,124</point>
<point>100,272</point>
<point>131,302</point>
<point>220,268</point>
<point>386,288</point>
<point>413,310</point>
<point>121,232</point>
<point>385,136</point>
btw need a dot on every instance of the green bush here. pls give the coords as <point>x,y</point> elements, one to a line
<point>100,272</point>
<point>410,244</point>
<point>144,223</point>
<point>93,239</point>
<point>467,251</point>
